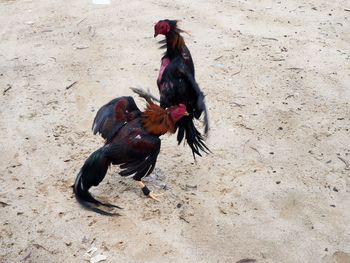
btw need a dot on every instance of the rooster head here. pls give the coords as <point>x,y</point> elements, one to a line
<point>163,27</point>
<point>177,112</point>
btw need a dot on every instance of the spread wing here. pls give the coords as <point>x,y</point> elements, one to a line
<point>137,156</point>
<point>112,116</point>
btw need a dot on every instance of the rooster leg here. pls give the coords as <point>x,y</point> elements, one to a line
<point>147,192</point>
<point>145,94</point>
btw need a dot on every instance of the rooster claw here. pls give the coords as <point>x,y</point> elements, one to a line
<point>154,196</point>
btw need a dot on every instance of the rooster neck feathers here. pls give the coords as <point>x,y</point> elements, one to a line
<point>157,120</point>
<point>174,45</point>
<point>173,42</point>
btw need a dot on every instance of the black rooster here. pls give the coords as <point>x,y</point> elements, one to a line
<point>176,83</point>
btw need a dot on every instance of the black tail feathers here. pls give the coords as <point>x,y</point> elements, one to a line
<point>193,137</point>
<point>91,174</point>
<point>201,108</point>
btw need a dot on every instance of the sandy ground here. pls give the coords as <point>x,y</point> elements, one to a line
<point>276,187</point>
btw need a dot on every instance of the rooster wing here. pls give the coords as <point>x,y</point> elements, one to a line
<point>136,153</point>
<point>114,115</point>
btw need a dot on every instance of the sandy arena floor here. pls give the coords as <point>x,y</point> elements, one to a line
<point>276,187</point>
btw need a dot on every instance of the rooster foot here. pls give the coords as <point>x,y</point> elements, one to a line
<point>154,196</point>
<point>145,94</point>
<point>147,192</point>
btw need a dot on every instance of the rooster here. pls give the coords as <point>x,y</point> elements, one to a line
<point>176,83</point>
<point>132,142</point>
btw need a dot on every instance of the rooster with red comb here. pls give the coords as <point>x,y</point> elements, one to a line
<point>132,142</point>
<point>176,83</point>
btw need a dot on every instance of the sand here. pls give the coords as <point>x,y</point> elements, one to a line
<point>276,187</point>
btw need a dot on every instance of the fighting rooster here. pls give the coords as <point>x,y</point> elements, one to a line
<point>132,142</point>
<point>176,83</point>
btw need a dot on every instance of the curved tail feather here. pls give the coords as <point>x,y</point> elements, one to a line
<point>201,108</point>
<point>91,174</point>
<point>193,137</point>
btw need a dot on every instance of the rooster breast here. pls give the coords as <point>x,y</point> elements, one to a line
<point>164,64</point>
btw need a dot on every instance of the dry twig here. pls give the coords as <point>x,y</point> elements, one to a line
<point>7,89</point>
<point>71,85</point>
<point>347,165</point>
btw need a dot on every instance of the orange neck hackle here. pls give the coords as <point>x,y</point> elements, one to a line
<point>159,121</point>
<point>177,41</point>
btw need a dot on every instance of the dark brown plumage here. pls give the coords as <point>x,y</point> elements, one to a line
<point>132,142</point>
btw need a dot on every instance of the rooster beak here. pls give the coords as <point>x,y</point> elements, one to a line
<point>186,113</point>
